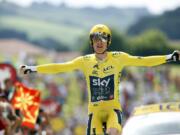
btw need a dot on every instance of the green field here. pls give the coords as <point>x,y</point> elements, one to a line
<point>62,23</point>
<point>37,29</point>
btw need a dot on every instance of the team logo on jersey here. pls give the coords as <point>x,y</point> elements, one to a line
<point>139,57</point>
<point>96,66</point>
<point>102,88</point>
<point>115,54</point>
<point>100,82</point>
<point>107,69</point>
<point>87,57</point>
<point>95,72</point>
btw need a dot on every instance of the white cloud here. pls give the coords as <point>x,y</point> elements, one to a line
<point>155,6</point>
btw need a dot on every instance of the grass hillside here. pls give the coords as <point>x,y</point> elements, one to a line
<point>62,23</point>
<point>36,28</point>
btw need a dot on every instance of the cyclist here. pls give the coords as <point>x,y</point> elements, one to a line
<point>102,70</point>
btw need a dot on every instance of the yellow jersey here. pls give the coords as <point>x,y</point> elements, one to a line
<point>102,76</point>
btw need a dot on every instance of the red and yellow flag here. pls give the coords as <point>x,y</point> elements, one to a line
<point>28,102</point>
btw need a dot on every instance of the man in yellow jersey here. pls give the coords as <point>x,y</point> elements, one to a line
<point>102,71</point>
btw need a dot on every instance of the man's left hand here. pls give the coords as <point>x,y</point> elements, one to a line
<point>175,56</point>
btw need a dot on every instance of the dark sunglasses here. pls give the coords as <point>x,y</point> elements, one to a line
<point>99,36</point>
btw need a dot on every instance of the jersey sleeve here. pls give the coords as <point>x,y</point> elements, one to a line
<point>148,61</point>
<point>53,68</point>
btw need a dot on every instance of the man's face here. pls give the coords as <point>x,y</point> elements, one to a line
<point>99,45</point>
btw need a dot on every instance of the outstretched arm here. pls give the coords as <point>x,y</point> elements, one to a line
<point>53,68</point>
<point>151,60</point>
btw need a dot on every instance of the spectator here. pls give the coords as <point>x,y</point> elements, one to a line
<point>8,119</point>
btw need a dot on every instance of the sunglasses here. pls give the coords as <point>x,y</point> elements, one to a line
<point>99,36</point>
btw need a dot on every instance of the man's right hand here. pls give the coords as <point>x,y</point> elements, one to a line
<point>24,69</point>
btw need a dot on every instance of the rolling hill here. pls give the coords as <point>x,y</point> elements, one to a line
<point>169,23</point>
<point>64,24</point>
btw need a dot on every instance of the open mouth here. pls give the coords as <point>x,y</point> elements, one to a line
<point>99,46</point>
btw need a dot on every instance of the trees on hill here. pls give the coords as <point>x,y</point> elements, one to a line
<point>151,42</point>
<point>169,23</point>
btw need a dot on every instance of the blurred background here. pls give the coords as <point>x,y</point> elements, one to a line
<point>44,31</point>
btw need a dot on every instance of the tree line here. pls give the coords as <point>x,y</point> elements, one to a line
<point>150,42</point>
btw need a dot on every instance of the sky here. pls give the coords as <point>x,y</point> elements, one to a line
<point>154,6</point>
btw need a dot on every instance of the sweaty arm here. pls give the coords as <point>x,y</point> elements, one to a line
<point>143,61</point>
<point>60,67</point>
